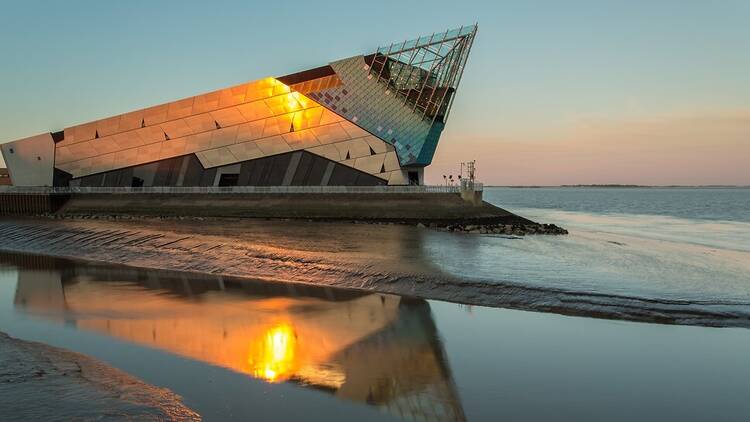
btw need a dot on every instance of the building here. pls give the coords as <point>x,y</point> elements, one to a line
<point>371,119</point>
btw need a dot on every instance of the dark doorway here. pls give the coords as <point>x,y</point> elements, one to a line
<point>414,178</point>
<point>137,182</point>
<point>229,179</point>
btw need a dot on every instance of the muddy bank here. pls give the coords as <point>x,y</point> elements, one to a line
<point>366,258</point>
<point>40,382</point>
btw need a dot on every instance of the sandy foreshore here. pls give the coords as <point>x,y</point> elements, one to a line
<point>364,258</point>
<point>40,382</point>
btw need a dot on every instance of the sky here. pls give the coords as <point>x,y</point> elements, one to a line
<point>653,92</point>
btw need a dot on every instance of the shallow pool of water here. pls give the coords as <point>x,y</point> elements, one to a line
<point>238,349</point>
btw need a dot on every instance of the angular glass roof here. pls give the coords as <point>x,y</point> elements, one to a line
<point>425,71</point>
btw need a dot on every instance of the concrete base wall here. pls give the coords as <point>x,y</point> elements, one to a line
<point>407,207</point>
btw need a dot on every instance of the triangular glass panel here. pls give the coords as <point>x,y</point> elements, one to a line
<point>372,152</point>
<point>143,122</point>
<point>96,134</point>
<point>217,124</point>
<point>347,156</point>
<point>424,72</point>
<point>166,137</point>
<point>382,168</point>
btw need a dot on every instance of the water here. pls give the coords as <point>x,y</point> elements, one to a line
<point>682,244</point>
<point>241,349</point>
<point>663,255</point>
<point>237,349</point>
<point>724,204</point>
<point>632,253</point>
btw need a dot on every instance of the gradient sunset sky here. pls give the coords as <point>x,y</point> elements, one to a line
<point>556,92</point>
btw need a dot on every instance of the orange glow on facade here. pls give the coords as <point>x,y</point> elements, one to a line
<point>273,357</point>
<point>302,100</point>
<point>292,105</point>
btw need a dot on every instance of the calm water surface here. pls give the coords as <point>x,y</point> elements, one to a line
<point>673,244</point>
<point>727,204</point>
<point>239,350</point>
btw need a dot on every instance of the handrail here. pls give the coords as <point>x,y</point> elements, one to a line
<point>46,190</point>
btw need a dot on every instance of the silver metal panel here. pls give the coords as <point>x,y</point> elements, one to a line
<point>327,174</point>
<point>291,169</point>
<point>30,160</point>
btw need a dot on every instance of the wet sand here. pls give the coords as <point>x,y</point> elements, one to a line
<point>40,382</point>
<point>383,259</point>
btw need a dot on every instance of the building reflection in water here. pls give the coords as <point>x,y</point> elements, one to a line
<point>377,349</point>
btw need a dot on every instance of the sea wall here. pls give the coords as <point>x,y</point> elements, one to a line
<point>437,207</point>
<point>446,208</point>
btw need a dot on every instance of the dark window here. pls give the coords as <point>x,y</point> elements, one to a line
<point>137,182</point>
<point>11,151</point>
<point>61,178</point>
<point>58,136</point>
<point>382,168</point>
<point>229,179</point>
<point>372,152</point>
<point>307,75</point>
<point>413,178</point>
<point>217,124</point>
<point>38,158</point>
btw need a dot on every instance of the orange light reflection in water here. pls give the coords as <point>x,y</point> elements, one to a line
<point>273,357</point>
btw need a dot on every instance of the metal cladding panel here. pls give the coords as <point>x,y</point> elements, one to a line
<point>363,100</point>
<point>402,93</point>
<point>294,168</point>
<point>31,160</point>
<point>220,129</point>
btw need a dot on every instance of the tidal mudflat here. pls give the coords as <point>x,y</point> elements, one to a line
<point>237,349</point>
<point>640,313</point>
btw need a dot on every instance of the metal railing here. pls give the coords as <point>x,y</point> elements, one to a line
<point>44,190</point>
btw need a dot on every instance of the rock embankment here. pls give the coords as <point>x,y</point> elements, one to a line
<point>516,227</point>
<point>505,229</point>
